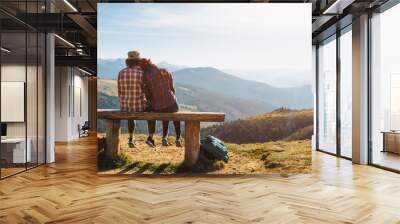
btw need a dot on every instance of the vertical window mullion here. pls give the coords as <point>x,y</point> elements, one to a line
<point>338,81</point>
<point>26,86</point>
<point>46,3</point>
<point>317,96</point>
<point>37,89</point>
<point>369,90</point>
<point>0,93</point>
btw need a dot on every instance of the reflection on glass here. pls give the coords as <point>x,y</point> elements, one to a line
<point>13,83</point>
<point>346,94</point>
<point>395,102</point>
<point>23,91</point>
<point>31,97</point>
<point>41,98</point>
<point>386,89</point>
<point>327,96</point>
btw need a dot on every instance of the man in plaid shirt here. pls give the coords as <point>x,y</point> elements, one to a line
<point>131,90</point>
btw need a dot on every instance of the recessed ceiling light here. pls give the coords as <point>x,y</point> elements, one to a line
<point>5,50</point>
<point>84,71</point>
<point>338,6</point>
<point>64,40</point>
<point>70,5</point>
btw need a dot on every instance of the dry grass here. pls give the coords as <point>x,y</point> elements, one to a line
<point>276,157</point>
<point>283,157</point>
<point>280,124</point>
<point>107,86</point>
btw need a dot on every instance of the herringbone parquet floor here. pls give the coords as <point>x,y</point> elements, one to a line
<point>70,191</point>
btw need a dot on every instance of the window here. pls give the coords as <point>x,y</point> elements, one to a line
<point>327,96</point>
<point>22,77</point>
<point>346,93</point>
<point>15,152</point>
<point>385,89</point>
<point>394,102</point>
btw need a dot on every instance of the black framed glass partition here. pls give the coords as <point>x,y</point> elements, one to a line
<point>14,153</point>
<point>22,77</point>
<point>385,89</point>
<point>381,68</point>
<point>326,105</point>
<point>334,103</point>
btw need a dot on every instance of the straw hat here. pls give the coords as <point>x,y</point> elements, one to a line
<point>133,55</point>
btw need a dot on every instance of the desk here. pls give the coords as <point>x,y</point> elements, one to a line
<point>13,150</point>
<point>391,141</point>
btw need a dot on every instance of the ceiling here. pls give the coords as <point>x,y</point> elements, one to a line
<point>75,21</point>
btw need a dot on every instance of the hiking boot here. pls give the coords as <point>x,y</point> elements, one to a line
<point>150,142</point>
<point>165,142</point>
<point>178,143</point>
<point>131,143</point>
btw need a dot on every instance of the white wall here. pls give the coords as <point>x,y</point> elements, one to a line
<point>12,73</point>
<point>80,110</point>
<point>33,127</point>
<point>71,102</point>
<point>61,103</point>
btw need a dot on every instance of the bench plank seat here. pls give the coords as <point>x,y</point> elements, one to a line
<point>178,116</point>
<point>192,128</point>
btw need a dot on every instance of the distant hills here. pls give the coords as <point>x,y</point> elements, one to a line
<point>171,67</point>
<point>109,68</point>
<point>191,98</point>
<point>278,77</point>
<point>201,99</point>
<point>209,89</point>
<point>280,124</point>
<point>216,81</point>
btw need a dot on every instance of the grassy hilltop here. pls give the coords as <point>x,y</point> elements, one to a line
<point>280,124</point>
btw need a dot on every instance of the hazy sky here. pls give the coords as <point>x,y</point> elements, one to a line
<point>225,36</point>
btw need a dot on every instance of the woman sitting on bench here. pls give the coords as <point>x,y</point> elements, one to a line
<point>160,93</point>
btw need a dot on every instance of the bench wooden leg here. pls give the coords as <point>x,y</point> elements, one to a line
<point>113,131</point>
<point>192,142</point>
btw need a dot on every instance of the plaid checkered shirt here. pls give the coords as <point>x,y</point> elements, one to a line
<point>131,89</point>
<point>161,89</point>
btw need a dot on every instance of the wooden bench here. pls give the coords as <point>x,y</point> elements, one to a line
<point>192,128</point>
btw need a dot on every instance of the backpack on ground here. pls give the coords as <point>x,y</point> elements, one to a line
<point>215,148</point>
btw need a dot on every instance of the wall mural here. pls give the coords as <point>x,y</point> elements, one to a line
<point>238,88</point>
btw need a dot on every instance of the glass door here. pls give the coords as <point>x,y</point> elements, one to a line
<point>346,93</point>
<point>327,96</point>
<point>22,77</point>
<point>14,153</point>
<point>385,90</point>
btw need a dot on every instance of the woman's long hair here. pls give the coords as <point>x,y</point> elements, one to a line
<point>143,63</point>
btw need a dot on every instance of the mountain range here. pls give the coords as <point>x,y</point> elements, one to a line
<point>109,68</point>
<point>253,109</point>
<point>191,98</point>
<point>215,81</point>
